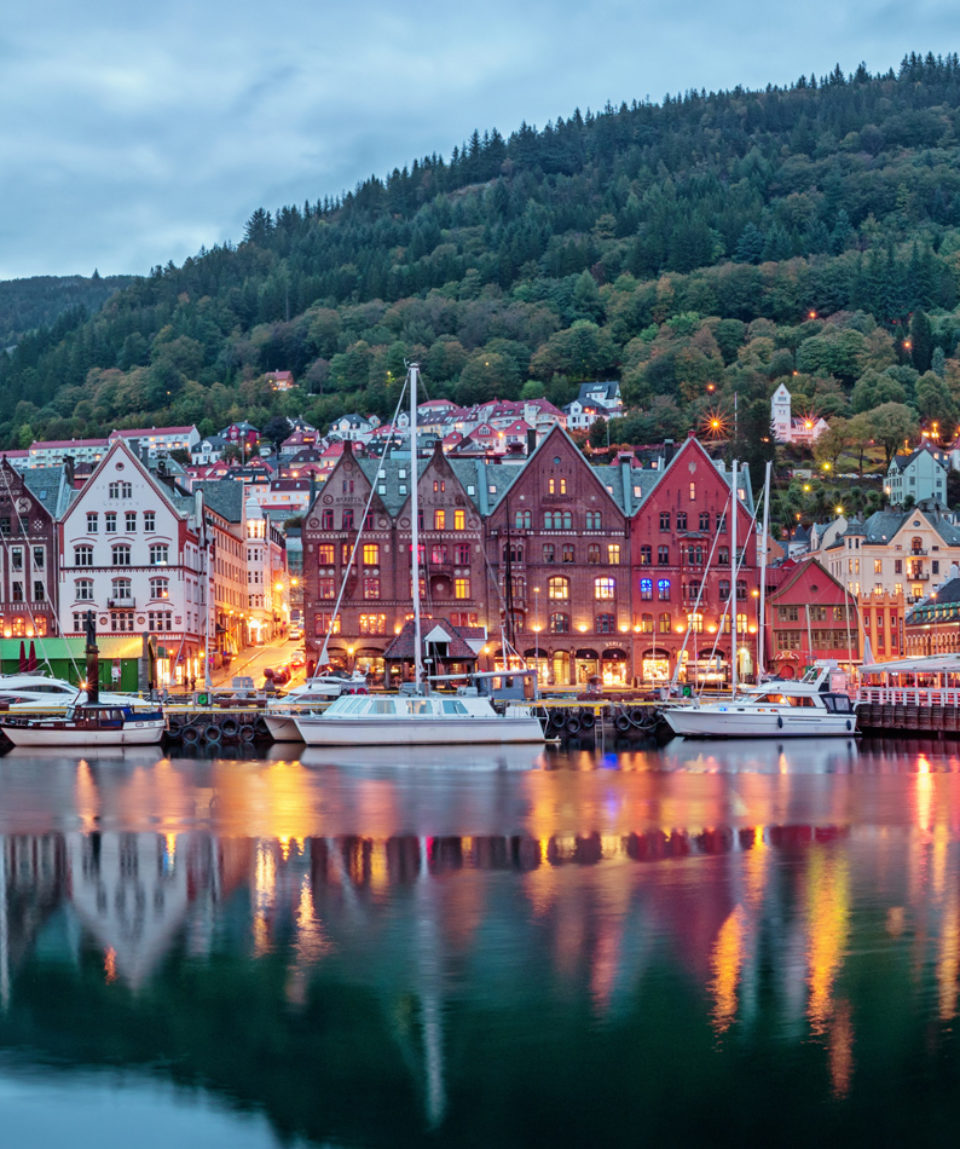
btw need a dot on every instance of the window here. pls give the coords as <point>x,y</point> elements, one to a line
<point>120,491</point>
<point>558,588</point>
<point>663,589</point>
<point>16,558</point>
<point>346,519</point>
<point>878,566</point>
<point>325,584</point>
<point>557,521</point>
<point>159,554</point>
<point>724,589</point>
<point>325,554</point>
<point>459,520</point>
<point>120,555</point>
<point>593,553</point>
<point>462,553</point>
<point>120,589</point>
<point>568,554</point>
<point>4,524</point>
<point>110,522</point>
<point>695,623</point>
<point>613,554</point>
<point>646,554</point>
<point>346,487</point>
<point>326,520</point>
<point>92,518</point>
<point>523,520</point>
<point>681,520</point>
<point>373,624</point>
<point>371,554</point>
<point>371,585</point>
<point>788,639</point>
<point>664,520</point>
<point>551,486</point>
<point>17,592</point>
<point>149,520</point>
<point>439,485</point>
<point>604,588</point>
<point>439,519</point>
<point>549,553</point>
<point>130,522</point>
<point>646,588</point>
<point>663,556</point>
<point>326,624</point>
<point>693,492</point>
<point>83,556</point>
<point>898,566</point>
<point>664,623</point>
<point>461,587</point>
<point>788,613</point>
<point>84,589</point>
<point>438,554</point>
<point>723,557</point>
<point>606,623</point>
<point>646,624</point>
<point>39,558</point>
<point>704,520</point>
<point>161,620</point>
<point>159,588</point>
<point>559,623</point>
<point>722,523</point>
<point>594,521</point>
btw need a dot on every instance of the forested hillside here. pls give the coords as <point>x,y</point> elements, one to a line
<point>698,249</point>
<point>26,304</point>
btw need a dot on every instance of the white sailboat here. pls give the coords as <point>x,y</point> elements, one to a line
<point>417,717</point>
<point>778,708</point>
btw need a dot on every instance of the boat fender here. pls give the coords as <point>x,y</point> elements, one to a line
<point>573,724</point>
<point>211,734</point>
<point>588,719</point>
<point>247,733</point>
<point>622,723</point>
<point>190,735</point>
<point>638,717</point>
<point>230,728</point>
<point>780,721</point>
<point>556,719</point>
<point>849,724</point>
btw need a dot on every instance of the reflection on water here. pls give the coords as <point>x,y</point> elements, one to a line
<point>705,941</point>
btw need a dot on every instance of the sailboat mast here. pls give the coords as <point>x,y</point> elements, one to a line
<point>761,620</point>
<point>415,531</point>
<point>733,576</point>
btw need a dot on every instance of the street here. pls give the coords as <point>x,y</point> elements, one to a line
<point>256,659</point>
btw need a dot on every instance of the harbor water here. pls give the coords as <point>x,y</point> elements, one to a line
<point>717,943</point>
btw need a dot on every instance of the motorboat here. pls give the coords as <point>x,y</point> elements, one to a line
<point>417,720</point>
<point>309,697</point>
<point>40,693</point>
<point>807,707</point>
<point>87,724</point>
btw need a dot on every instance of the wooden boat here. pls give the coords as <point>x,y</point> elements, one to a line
<point>87,724</point>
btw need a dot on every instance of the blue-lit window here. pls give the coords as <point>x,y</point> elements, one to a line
<point>646,588</point>
<point>663,589</point>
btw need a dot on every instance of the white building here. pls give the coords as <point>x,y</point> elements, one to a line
<point>159,440</point>
<point>786,428</point>
<point>921,474</point>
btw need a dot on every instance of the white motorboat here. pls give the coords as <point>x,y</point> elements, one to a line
<point>416,720</point>
<point>780,708</point>
<point>87,724</point>
<point>419,717</point>
<point>309,697</point>
<point>40,693</point>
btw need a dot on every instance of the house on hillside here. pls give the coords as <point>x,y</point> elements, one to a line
<point>921,474</point>
<point>786,428</point>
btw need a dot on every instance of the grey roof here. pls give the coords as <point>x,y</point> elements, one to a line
<point>50,487</point>
<point>225,496</point>
<point>393,484</point>
<point>881,526</point>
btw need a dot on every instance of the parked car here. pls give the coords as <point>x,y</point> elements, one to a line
<point>296,633</point>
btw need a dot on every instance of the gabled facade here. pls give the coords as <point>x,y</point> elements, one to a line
<point>920,475</point>
<point>558,552</point>
<point>809,616</point>
<point>28,556</point>
<point>682,575</point>
<point>129,550</point>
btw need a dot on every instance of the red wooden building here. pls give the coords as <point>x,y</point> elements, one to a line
<point>810,615</point>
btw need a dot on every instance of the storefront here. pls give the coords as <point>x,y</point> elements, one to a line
<point>614,667</point>
<point>586,666</point>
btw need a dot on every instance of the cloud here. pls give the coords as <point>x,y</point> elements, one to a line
<point>131,137</point>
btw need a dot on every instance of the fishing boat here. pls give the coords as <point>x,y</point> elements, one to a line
<point>87,724</point>
<point>309,697</point>
<point>809,707</point>
<point>417,717</point>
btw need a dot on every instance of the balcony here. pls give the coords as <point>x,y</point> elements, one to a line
<point>918,576</point>
<point>121,604</point>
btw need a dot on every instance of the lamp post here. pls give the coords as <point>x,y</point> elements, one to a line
<point>536,628</point>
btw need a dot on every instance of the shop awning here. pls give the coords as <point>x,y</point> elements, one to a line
<point>614,655</point>
<point>587,654</point>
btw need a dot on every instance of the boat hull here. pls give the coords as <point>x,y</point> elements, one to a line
<point>54,733</point>
<point>732,721</point>
<point>321,730</point>
<point>282,727</point>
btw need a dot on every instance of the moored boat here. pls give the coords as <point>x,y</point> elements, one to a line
<point>87,724</point>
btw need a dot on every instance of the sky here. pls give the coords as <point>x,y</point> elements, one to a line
<point>133,135</point>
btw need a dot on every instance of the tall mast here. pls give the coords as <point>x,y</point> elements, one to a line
<point>415,531</point>
<point>733,576</point>
<point>763,569</point>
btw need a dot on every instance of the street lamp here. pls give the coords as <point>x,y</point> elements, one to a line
<point>536,629</point>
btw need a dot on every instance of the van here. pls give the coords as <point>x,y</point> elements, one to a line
<point>295,632</point>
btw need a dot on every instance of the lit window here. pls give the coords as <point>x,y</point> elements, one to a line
<point>159,554</point>
<point>604,588</point>
<point>459,520</point>
<point>558,588</point>
<point>371,554</point>
<point>613,554</point>
<point>461,587</point>
<point>439,519</point>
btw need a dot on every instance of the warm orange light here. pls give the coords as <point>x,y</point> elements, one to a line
<point>811,315</point>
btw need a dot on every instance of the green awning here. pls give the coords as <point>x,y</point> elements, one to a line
<point>53,649</point>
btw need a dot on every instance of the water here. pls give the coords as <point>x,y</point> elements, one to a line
<point>719,943</point>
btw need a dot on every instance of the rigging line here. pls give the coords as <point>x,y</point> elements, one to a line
<point>492,577</point>
<point>696,609</point>
<point>6,542</point>
<point>322,657</point>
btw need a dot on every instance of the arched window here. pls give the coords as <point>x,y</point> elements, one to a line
<point>83,555</point>
<point>559,623</point>
<point>84,589</point>
<point>558,588</point>
<point>159,588</point>
<point>646,588</point>
<point>663,590</point>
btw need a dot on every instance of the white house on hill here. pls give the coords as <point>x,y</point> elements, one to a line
<point>787,429</point>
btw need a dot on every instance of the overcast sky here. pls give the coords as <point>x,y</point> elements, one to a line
<point>131,135</point>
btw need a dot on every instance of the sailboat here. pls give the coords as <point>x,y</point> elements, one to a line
<point>415,717</point>
<point>806,707</point>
